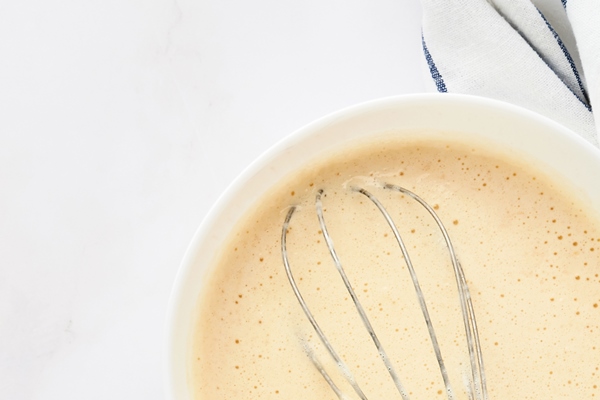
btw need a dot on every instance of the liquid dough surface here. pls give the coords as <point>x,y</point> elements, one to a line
<point>529,250</point>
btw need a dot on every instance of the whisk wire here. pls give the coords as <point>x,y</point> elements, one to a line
<point>357,304</point>
<point>481,376</point>
<point>313,358</point>
<point>477,383</point>
<point>340,363</point>
<point>418,290</point>
<point>474,346</point>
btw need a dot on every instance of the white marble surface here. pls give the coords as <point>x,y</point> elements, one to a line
<point>121,121</point>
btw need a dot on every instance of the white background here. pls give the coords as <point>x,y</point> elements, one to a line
<point>121,122</point>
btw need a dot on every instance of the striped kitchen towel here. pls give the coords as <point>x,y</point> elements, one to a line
<point>543,55</point>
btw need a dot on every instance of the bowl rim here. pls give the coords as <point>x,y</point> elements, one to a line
<point>300,135</point>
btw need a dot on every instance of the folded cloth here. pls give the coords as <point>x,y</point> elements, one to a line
<point>542,55</point>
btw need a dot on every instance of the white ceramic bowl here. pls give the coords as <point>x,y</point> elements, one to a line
<point>511,128</point>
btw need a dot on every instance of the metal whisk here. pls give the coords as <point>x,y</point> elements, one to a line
<point>476,388</point>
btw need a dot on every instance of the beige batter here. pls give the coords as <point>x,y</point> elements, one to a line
<point>529,250</point>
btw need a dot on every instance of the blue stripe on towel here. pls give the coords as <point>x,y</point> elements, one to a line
<point>567,55</point>
<point>435,74</point>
